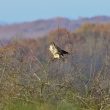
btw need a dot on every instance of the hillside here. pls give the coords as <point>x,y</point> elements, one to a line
<point>38,28</point>
<point>31,80</point>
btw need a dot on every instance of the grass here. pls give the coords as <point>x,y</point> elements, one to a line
<point>21,105</point>
<point>29,81</point>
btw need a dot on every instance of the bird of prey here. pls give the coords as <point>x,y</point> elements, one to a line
<point>56,51</point>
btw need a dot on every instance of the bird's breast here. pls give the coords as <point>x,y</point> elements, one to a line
<point>53,50</point>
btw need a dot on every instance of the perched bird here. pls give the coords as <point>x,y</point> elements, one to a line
<point>56,51</point>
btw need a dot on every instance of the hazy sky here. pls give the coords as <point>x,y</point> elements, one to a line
<point>29,10</point>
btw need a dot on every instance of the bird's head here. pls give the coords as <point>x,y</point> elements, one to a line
<point>52,43</point>
<point>52,46</point>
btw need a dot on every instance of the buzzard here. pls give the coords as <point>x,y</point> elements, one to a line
<point>56,51</point>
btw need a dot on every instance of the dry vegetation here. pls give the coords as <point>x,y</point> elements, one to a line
<point>30,80</point>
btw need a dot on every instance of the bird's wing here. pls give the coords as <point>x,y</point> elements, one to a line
<point>58,48</point>
<point>61,51</point>
<point>64,52</point>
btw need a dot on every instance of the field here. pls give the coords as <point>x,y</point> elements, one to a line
<point>30,80</point>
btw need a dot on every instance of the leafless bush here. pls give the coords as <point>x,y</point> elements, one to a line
<point>83,79</point>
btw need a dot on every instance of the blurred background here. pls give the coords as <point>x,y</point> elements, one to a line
<point>30,80</point>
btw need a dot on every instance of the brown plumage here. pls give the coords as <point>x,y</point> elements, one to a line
<point>56,51</point>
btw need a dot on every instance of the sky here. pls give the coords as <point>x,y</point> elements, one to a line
<point>13,11</point>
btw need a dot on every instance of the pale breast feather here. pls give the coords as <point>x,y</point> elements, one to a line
<point>53,50</point>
